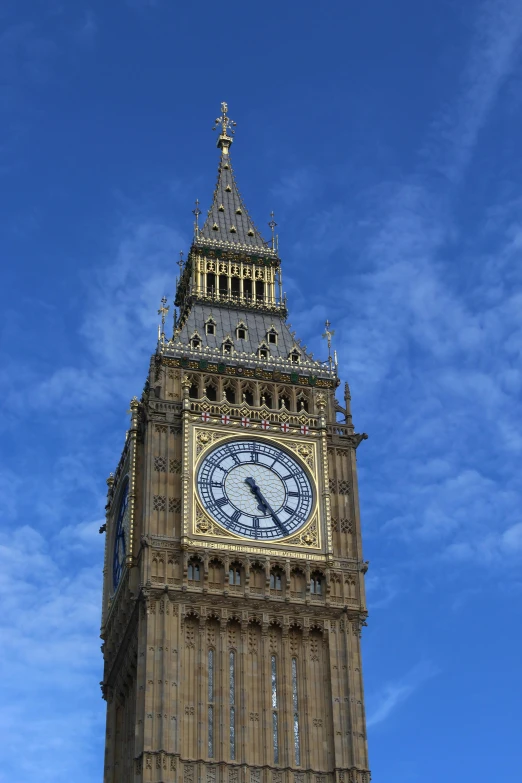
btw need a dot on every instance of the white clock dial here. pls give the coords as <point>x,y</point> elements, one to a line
<point>255,489</point>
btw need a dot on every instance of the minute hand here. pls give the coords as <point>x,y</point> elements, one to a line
<point>263,503</point>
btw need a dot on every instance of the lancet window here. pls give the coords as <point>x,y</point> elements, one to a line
<point>232,703</point>
<point>316,584</point>
<point>241,331</point>
<point>276,580</point>
<point>194,570</point>
<point>211,391</point>
<point>295,706</point>
<point>211,704</point>
<point>275,709</point>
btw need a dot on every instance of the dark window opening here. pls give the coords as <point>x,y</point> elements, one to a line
<point>227,347</point>
<point>234,286</point>
<point>211,284</point>
<point>303,404</point>
<point>249,397</point>
<point>260,290</point>
<point>234,576</point>
<point>286,400</point>
<point>241,334</point>
<point>194,391</point>
<point>196,342</point>
<point>211,393</point>
<point>223,284</point>
<point>275,581</point>
<point>230,394</point>
<point>247,289</point>
<point>316,586</point>
<point>193,572</point>
<point>266,400</point>
<point>211,329</point>
<point>272,337</point>
<point>294,356</point>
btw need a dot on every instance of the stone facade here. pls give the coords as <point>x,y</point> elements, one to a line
<point>229,660</point>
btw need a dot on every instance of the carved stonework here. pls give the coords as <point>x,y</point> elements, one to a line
<point>227,658</point>
<point>306,537</point>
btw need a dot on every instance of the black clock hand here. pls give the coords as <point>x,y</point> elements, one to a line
<point>264,505</point>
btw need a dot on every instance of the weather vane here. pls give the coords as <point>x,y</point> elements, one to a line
<point>163,310</point>
<point>227,125</point>
<point>272,226</point>
<point>196,212</point>
<point>328,334</point>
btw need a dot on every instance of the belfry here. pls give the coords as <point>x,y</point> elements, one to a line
<point>233,598</point>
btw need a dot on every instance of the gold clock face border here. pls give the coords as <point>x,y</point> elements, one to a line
<point>310,531</point>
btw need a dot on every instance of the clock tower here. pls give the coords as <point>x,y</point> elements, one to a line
<point>233,597</point>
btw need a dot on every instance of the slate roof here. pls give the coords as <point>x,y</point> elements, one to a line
<point>226,321</point>
<point>229,212</point>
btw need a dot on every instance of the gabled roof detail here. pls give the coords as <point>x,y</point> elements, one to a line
<point>228,218</point>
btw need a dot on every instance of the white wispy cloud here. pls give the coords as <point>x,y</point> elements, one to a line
<point>394,694</point>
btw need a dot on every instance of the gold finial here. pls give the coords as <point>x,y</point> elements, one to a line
<point>196,212</point>
<point>272,225</point>
<point>227,129</point>
<point>328,334</point>
<point>163,310</point>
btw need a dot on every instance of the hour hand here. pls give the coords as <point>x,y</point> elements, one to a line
<point>254,489</point>
<point>263,504</point>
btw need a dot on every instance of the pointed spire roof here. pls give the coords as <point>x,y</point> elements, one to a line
<point>228,223</point>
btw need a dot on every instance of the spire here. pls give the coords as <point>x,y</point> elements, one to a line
<point>228,222</point>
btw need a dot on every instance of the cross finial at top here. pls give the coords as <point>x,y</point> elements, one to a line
<point>328,334</point>
<point>227,125</point>
<point>196,212</point>
<point>272,226</point>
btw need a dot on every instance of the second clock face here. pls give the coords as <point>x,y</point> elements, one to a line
<point>255,489</point>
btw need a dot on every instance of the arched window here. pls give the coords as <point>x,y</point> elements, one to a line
<point>211,391</point>
<point>241,331</point>
<point>271,336</point>
<point>194,390</point>
<point>248,394</point>
<point>211,285</point>
<point>276,579</point>
<point>227,346</point>
<point>195,341</point>
<point>295,357</point>
<point>223,285</point>
<point>230,393</point>
<point>194,570</point>
<point>263,351</point>
<point>266,397</point>
<point>302,402</point>
<point>234,574</point>
<point>260,290</point>
<point>316,584</point>
<point>210,326</point>
<point>284,399</point>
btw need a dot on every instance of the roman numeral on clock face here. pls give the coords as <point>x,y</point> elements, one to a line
<point>221,501</point>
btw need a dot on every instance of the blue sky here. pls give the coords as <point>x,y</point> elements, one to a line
<point>386,137</point>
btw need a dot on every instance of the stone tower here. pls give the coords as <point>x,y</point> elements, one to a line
<point>233,595</point>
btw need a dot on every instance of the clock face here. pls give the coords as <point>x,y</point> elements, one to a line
<point>255,489</point>
<point>119,539</point>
